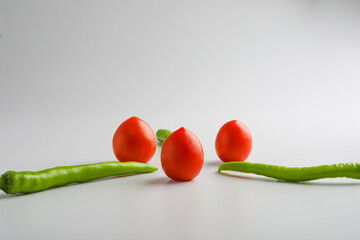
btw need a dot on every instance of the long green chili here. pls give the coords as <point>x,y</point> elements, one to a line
<point>295,174</point>
<point>12,182</point>
<point>162,135</point>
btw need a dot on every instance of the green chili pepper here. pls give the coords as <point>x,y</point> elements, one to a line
<point>13,182</point>
<point>295,174</point>
<point>162,135</point>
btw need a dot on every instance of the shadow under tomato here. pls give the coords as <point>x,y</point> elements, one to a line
<point>164,180</point>
<point>213,163</point>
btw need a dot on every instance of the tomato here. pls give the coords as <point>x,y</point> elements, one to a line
<point>182,155</point>
<point>233,142</point>
<point>134,140</point>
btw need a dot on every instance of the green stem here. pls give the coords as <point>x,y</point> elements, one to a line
<point>2,184</point>
<point>162,135</point>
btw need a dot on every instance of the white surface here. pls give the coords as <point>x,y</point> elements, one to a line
<point>72,71</point>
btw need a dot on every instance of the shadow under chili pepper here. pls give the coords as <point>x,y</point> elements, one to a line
<point>272,180</point>
<point>8,196</point>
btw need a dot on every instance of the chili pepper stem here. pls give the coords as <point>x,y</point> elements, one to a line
<point>162,135</point>
<point>2,185</point>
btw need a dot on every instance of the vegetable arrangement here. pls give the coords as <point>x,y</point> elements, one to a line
<point>182,158</point>
<point>233,145</point>
<point>134,144</point>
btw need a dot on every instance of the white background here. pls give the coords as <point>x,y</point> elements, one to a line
<point>72,71</point>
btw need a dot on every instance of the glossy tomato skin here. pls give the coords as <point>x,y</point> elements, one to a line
<point>233,142</point>
<point>182,155</point>
<point>134,140</point>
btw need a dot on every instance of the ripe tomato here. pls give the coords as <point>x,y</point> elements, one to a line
<point>134,140</point>
<point>182,155</point>
<point>233,142</point>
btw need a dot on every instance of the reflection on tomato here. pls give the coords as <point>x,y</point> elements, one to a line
<point>233,142</point>
<point>134,140</point>
<point>182,155</point>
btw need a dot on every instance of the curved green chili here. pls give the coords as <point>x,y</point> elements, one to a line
<point>13,182</point>
<point>295,174</point>
<point>162,135</point>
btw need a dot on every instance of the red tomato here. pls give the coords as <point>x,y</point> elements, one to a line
<point>182,155</point>
<point>233,142</point>
<point>134,140</point>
